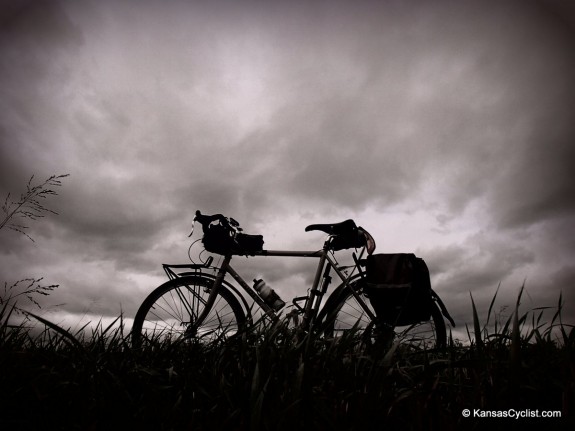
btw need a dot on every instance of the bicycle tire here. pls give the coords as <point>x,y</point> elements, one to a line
<point>169,311</point>
<point>342,313</point>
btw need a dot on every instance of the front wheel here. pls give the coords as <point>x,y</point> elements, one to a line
<point>343,313</point>
<point>170,312</point>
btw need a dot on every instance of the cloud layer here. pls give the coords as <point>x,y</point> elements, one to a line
<point>445,128</point>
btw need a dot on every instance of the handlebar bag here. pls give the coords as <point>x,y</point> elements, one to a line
<point>399,288</point>
<point>249,244</point>
<point>221,239</point>
<point>218,239</point>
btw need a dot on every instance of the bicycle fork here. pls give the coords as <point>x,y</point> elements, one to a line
<point>191,331</point>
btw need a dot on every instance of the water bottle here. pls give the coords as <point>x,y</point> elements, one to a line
<point>268,295</point>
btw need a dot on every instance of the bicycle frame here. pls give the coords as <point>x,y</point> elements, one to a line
<point>312,301</point>
<point>200,297</point>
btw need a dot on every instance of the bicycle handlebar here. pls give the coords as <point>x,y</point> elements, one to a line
<point>206,220</point>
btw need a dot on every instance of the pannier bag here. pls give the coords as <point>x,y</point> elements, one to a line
<point>399,288</point>
<point>221,239</point>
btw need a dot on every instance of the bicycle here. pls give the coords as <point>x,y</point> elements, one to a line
<point>201,303</point>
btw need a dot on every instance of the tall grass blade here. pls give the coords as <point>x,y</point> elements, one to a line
<point>258,392</point>
<point>476,325</point>
<point>561,327</point>
<point>111,325</point>
<point>491,306</point>
<point>5,313</point>
<point>58,329</point>
<point>386,361</point>
<point>515,348</point>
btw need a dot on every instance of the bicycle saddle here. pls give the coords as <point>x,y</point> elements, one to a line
<point>334,228</point>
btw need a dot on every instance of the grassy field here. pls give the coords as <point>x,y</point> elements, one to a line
<point>269,379</point>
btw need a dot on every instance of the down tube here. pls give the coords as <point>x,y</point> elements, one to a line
<point>250,291</point>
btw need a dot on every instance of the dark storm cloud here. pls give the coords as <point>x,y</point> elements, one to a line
<point>456,94</point>
<point>541,181</point>
<point>487,261</point>
<point>33,34</point>
<point>291,111</point>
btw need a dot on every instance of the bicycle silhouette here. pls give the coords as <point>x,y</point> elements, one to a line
<point>206,302</point>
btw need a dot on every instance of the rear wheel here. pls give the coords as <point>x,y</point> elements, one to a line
<point>343,314</point>
<point>170,313</point>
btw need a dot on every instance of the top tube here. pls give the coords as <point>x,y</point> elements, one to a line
<point>291,253</point>
<point>226,237</point>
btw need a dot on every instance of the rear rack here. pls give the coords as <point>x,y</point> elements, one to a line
<point>172,271</point>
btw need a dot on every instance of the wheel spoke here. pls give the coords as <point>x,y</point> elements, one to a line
<point>171,311</point>
<point>351,315</point>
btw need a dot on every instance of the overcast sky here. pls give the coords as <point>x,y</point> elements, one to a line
<point>445,128</point>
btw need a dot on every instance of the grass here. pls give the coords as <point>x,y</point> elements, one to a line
<point>270,379</point>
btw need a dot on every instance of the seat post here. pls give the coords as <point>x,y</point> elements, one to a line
<point>310,306</point>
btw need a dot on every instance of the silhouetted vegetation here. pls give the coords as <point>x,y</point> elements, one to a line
<point>17,213</point>
<point>269,379</point>
<point>30,206</point>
